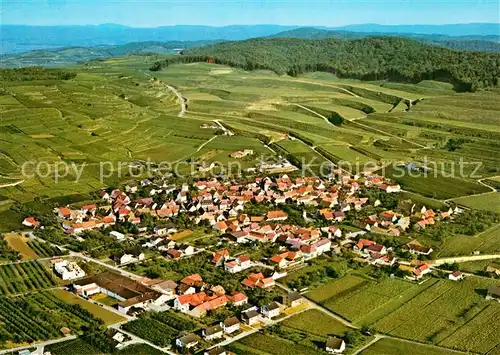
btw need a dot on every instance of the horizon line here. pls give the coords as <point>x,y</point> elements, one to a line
<point>256,24</point>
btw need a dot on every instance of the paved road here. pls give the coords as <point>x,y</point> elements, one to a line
<point>115,268</point>
<point>461,259</point>
<point>136,339</point>
<point>181,99</point>
<point>228,132</point>
<point>38,345</point>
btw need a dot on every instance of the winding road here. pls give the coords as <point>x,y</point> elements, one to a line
<point>181,98</point>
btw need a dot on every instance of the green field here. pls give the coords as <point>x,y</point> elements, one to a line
<point>39,316</point>
<point>397,347</point>
<point>485,242</point>
<point>315,323</point>
<point>363,301</point>
<point>25,277</point>
<point>444,313</point>
<point>97,311</point>
<point>260,344</point>
<point>73,347</point>
<point>337,288</point>
<point>489,202</point>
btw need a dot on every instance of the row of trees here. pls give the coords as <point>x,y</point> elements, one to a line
<point>390,58</point>
<point>34,73</point>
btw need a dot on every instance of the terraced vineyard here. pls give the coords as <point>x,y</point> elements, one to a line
<point>114,110</point>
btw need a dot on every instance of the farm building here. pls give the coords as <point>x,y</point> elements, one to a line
<point>130,293</point>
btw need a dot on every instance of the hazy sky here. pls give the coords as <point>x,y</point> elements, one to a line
<point>152,13</point>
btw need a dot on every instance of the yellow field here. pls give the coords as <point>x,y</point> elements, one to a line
<point>18,243</point>
<point>180,235</point>
<point>107,316</point>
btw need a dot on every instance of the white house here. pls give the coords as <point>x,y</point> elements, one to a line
<point>119,236</point>
<point>129,258</point>
<point>456,276</point>
<point>214,332</point>
<point>188,341</point>
<point>335,345</point>
<point>271,310</point>
<point>231,325</point>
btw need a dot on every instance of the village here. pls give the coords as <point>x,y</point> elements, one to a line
<point>227,209</point>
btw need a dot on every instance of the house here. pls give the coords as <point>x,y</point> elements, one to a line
<point>216,351</point>
<point>335,345</point>
<point>241,153</point>
<point>64,212</point>
<point>118,236</point>
<point>220,256</point>
<point>131,258</point>
<point>493,293</point>
<point>250,317</point>
<point>456,276</point>
<point>213,332</point>
<point>191,279</point>
<point>414,247</point>
<point>31,222</point>
<point>188,341</point>
<point>390,188</point>
<point>240,263</point>
<point>231,325</point>
<point>165,287</point>
<point>293,299</point>
<point>258,279</point>
<point>271,310</point>
<point>237,298</point>
<point>276,216</point>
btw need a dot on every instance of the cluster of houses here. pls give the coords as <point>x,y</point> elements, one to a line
<point>220,203</point>
<point>250,316</point>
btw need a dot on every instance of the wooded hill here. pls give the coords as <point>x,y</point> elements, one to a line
<point>376,58</point>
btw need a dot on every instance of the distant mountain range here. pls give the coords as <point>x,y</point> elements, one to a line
<point>19,38</point>
<point>72,55</point>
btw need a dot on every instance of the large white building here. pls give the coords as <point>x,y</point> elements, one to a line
<point>67,270</point>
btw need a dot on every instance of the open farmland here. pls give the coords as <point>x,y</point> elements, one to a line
<point>39,316</point>
<point>337,288</point>
<point>397,347</point>
<point>440,311</point>
<point>97,311</point>
<point>20,244</point>
<point>24,277</point>
<point>485,242</point>
<point>316,323</point>
<point>358,304</point>
<point>489,202</point>
<point>260,344</point>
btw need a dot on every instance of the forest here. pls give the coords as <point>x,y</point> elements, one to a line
<point>377,58</point>
<point>34,73</point>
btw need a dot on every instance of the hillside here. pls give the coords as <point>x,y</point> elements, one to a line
<point>71,55</point>
<point>379,58</point>
<point>489,43</point>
